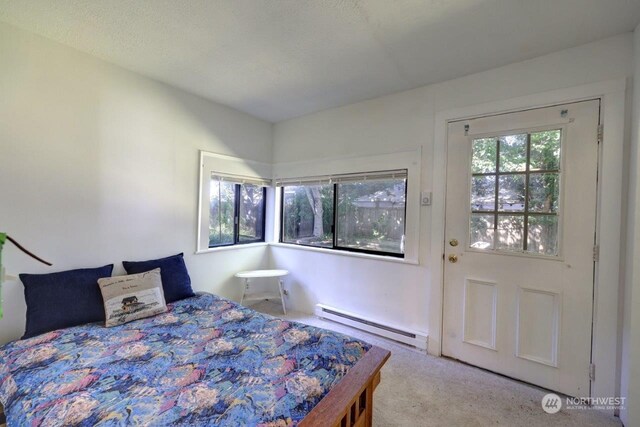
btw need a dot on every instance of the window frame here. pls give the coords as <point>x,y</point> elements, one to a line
<point>236,219</point>
<point>334,243</point>
<point>281,231</point>
<point>559,256</point>
<point>234,170</point>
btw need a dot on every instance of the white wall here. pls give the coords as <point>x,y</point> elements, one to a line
<point>392,292</point>
<point>630,377</point>
<point>100,165</point>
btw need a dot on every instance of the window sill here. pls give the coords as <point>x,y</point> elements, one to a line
<point>232,247</point>
<point>346,253</point>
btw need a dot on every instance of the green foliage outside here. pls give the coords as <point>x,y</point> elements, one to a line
<point>251,213</point>
<point>300,216</point>
<point>542,194</point>
<point>222,212</point>
<point>370,215</point>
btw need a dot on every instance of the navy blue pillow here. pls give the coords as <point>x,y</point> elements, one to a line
<point>63,299</point>
<point>176,282</point>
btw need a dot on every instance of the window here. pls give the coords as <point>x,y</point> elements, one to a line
<point>360,213</point>
<point>222,213</point>
<point>232,200</point>
<point>515,193</point>
<point>308,215</point>
<point>236,213</point>
<point>371,215</point>
<point>251,213</point>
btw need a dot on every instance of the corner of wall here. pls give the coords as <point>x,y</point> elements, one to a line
<point>630,332</point>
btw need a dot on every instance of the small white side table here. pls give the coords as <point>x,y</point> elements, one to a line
<point>257,296</point>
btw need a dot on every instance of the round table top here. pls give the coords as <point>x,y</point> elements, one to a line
<point>261,273</point>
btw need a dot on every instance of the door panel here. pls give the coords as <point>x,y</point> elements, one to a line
<point>520,228</point>
<point>480,305</point>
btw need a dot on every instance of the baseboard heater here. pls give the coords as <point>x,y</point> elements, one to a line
<point>416,339</point>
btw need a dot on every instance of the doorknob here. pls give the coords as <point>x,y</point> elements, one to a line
<point>453,258</point>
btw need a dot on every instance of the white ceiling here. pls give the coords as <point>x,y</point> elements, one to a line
<point>278,59</point>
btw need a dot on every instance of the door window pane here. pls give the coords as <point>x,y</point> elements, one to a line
<point>251,226</point>
<point>483,193</point>
<point>511,193</point>
<point>221,213</point>
<point>484,155</point>
<point>545,150</point>
<point>513,153</point>
<point>544,190</point>
<point>523,214</point>
<point>510,232</point>
<point>371,215</point>
<point>482,231</point>
<point>543,235</point>
<point>308,215</point>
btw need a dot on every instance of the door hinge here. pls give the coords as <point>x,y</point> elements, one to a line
<point>592,371</point>
<point>600,132</point>
<point>596,253</point>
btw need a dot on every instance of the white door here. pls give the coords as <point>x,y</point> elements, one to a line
<point>520,229</point>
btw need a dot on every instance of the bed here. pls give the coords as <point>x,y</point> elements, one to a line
<point>207,361</point>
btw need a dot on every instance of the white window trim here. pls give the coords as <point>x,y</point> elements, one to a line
<point>232,247</point>
<point>213,163</point>
<point>409,160</point>
<point>339,252</point>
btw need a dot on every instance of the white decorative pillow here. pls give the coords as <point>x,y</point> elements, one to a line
<point>132,297</point>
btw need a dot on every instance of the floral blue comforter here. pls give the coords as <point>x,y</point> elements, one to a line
<point>207,361</point>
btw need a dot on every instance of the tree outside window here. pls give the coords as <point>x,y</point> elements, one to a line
<point>515,192</point>
<point>355,215</point>
<point>236,213</point>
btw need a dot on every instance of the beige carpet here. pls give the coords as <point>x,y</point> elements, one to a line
<point>421,390</point>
